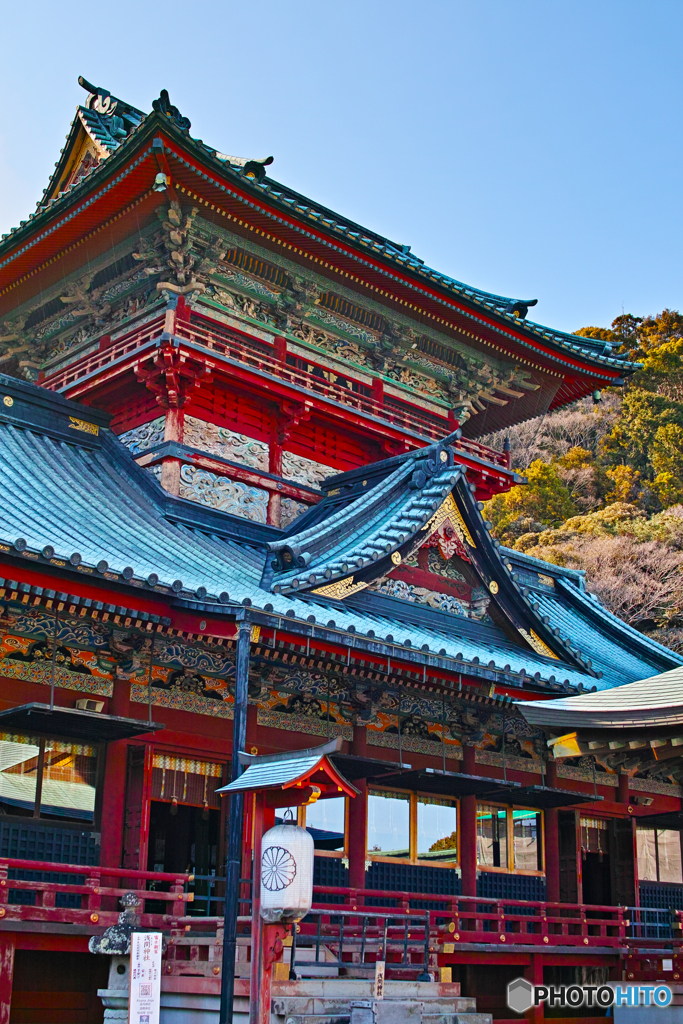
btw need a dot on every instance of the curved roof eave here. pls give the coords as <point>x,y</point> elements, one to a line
<point>492,306</point>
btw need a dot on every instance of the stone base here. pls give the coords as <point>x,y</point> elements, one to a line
<point>315,999</point>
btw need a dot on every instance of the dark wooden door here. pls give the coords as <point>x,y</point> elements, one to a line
<point>623,861</point>
<point>55,987</point>
<point>570,858</point>
<point>135,822</point>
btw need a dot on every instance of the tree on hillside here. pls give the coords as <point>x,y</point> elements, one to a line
<point>605,482</point>
<point>543,501</point>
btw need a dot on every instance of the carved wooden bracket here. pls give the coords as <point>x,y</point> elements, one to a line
<point>290,416</point>
<point>173,375</point>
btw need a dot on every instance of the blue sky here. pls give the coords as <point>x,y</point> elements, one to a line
<point>528,147</point>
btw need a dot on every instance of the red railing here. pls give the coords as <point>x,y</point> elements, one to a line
<point>261,356</point>
<point>127,345</point>
<point>195,941</point>
<point>26,899</point>
<point>459,920</point>
<point>238,349</point>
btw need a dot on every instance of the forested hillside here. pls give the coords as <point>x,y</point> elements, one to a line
<point>605,482</point>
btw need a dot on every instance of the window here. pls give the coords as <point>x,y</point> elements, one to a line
<point>436,830</point>
<point>509,838</point>
<point>412,827</point>
<point>526,830</point>
<point>69,781</point>
<point>389,824</point>
<point>659,855</point>
<point>326,821</point>
<point>492,848</point>
<point>48,778</point>
<point>18,772</point>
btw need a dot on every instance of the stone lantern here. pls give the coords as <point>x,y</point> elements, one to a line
<point>115,943</point>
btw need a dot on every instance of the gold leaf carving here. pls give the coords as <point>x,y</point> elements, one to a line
<point>88,428</point>
<point>340,589</point>
<point>449,511</point>
<point>537,644</point>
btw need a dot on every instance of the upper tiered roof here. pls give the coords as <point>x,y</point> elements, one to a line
<point>117,158</point>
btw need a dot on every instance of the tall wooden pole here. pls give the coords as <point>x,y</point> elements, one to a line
<point>236,820</point>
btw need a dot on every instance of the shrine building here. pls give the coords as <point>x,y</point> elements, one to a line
<point>229,415</point>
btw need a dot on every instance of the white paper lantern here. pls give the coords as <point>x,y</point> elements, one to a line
<point>286,873</point>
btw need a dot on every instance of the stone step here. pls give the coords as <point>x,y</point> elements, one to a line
<point>289,1006</point>
<point>456,1018</point>
<point>316,1018</point>
<point>394,1011</point>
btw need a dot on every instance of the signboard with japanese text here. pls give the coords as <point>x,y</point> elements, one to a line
<point>145,977</point>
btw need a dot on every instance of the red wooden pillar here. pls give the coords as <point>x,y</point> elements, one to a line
<point>624,795</point>
<point>534,974</point>
<point>6,972</point>
<point>183,313</point>
<point>468,827</point>
<point>551,839</point>
<point>261,974</point>
<point>275,467</point>
<point>468,845</point>
<point>170,468</point>
<point>115,783</point>
<point>358,818</point>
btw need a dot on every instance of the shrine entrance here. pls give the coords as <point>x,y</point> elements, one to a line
<point>596,868</point>
<point>183,838</point>
<point>597,879</point>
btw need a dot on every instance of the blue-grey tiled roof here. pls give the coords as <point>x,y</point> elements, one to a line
<point>78,494</point>
<point>361,522</point>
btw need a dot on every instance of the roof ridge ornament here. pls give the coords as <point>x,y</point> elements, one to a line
<point>99,99</point>
<point>164,107</point>
<point>520,307</point>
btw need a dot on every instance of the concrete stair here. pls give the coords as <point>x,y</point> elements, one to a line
<point>351,1001</point>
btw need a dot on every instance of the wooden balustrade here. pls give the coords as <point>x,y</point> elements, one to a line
<point>461,920</point>
<point>138,347</point>
<point>30,899</point>
<point>456,920</point>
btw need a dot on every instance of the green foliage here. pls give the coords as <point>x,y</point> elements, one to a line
<point>605,482</point>
<point>643,413</point>
<point>543,501</point>
<point>666,457</point>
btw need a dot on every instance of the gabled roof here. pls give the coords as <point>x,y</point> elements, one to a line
<point>292,769</point>
<point>373,518</point>
<point>366,523</point>
<point>618,651</point>
<point>106,121</point>
<point>632,728</point>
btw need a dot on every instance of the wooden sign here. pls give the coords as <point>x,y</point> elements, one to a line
<point>145,978</point>
<point>379,979</point>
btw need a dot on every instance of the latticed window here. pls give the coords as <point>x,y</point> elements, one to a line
<point>510,839</point>
<point>412,826</point>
